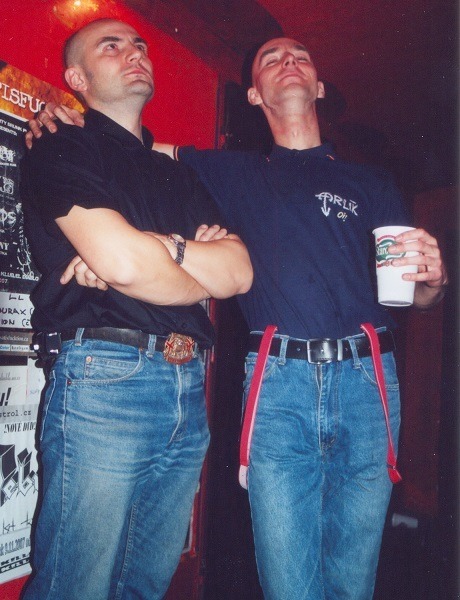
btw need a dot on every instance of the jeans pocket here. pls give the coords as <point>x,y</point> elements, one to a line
<point>50,389</point>
<point>270,367</point>
<point>389,370</point>
<point>110,367</point>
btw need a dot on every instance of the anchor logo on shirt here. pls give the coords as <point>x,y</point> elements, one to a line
<point>346,205</point>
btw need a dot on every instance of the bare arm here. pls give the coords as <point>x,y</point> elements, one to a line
<point>233,275</point>
<point>130,261</point>
<point>222,267</point>
<point>164,149</point>
<point>431,277</point>
<point>220,263</point>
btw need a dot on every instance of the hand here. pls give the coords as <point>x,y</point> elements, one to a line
<point>210,234</point>
<point>431,268</point>
<point>83,275</point>
<point>48,115</point>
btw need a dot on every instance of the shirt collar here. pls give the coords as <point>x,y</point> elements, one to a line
<point>97,120</point>
<point>323,151</point>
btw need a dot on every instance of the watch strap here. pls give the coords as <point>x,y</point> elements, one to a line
<point>180,247</point>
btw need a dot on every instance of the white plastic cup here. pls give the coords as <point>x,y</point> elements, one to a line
<point>392,289</point>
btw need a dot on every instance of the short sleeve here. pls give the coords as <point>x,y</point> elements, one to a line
<point>63,170</point>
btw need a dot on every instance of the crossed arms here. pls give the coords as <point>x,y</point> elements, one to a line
<point>140,264</point>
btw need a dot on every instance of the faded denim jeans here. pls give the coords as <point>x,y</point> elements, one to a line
<point>122,441</point>
<point>318,481</point>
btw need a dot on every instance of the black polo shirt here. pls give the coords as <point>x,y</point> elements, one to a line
<point>104,166</point>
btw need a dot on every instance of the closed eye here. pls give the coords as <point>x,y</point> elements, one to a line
<point>271,61</point>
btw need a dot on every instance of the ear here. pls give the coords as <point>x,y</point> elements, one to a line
<point>321,91</point>
<point>76,79</point>
<point>254,97</point>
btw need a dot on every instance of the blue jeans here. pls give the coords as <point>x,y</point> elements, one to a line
<point>122,441</point>
<point>318,482</point>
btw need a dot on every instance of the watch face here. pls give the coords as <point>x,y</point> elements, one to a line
<point>177,237</point>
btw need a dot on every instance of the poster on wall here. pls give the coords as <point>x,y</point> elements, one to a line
<point>21,96</point>
<point>21,381</point>
<point>20,387</point>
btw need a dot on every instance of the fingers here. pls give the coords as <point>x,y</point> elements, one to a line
<point>87,278</point>
<point>34,131</point>
<point>428,259</point>
<point>83,275</point>
<point>31,134</point>
<point>46,118</point>
<point>200,232</point>
<point>416,235</point>
<point>70,116</point>
<point>207,234</point>
<point>69,272</point>
<point>101,285</point>
<point>47,121</point>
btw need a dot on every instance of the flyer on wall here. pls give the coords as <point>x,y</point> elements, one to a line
<point>21,96</point>
<point>20,389</point>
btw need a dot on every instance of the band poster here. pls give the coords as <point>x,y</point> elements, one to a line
<point>21,382</point>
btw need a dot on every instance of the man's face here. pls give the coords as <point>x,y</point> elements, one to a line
<point>281,70</point>
<point>112,63</point>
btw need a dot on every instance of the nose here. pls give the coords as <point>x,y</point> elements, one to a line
<point>289,59</point>
<point>134,53</point>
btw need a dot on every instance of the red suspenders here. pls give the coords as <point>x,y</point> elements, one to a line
<point>256,384</point>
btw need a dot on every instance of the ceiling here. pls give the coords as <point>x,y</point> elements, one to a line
<point>390,67</point>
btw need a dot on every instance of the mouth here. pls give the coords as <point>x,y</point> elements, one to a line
<point>138,71</point>
<point>290,74</point>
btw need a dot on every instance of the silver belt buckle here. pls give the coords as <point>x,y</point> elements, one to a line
<point>329,359</point>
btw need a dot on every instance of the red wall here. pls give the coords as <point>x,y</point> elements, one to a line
<point>183,110</point>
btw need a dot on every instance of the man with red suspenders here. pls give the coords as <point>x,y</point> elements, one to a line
<point>318,477</point>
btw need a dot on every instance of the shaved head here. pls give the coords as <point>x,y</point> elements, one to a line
<point>107,60</point>
<point>74,45</point>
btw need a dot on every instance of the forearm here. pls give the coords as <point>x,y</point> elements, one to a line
<point>154,277</point>
<point>222,267</point>
<point>131,261</point>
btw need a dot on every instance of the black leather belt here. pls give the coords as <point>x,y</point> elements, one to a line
<point>130,337</point>
<point>176,348</point>
<point>319,351</point>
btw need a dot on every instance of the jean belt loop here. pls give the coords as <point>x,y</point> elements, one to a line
<point>79,335</point>
<point>283,348</point>
<point>151,346</point>
<point>354,352</point>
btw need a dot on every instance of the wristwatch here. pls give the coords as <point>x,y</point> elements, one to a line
<point>180,244</point>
